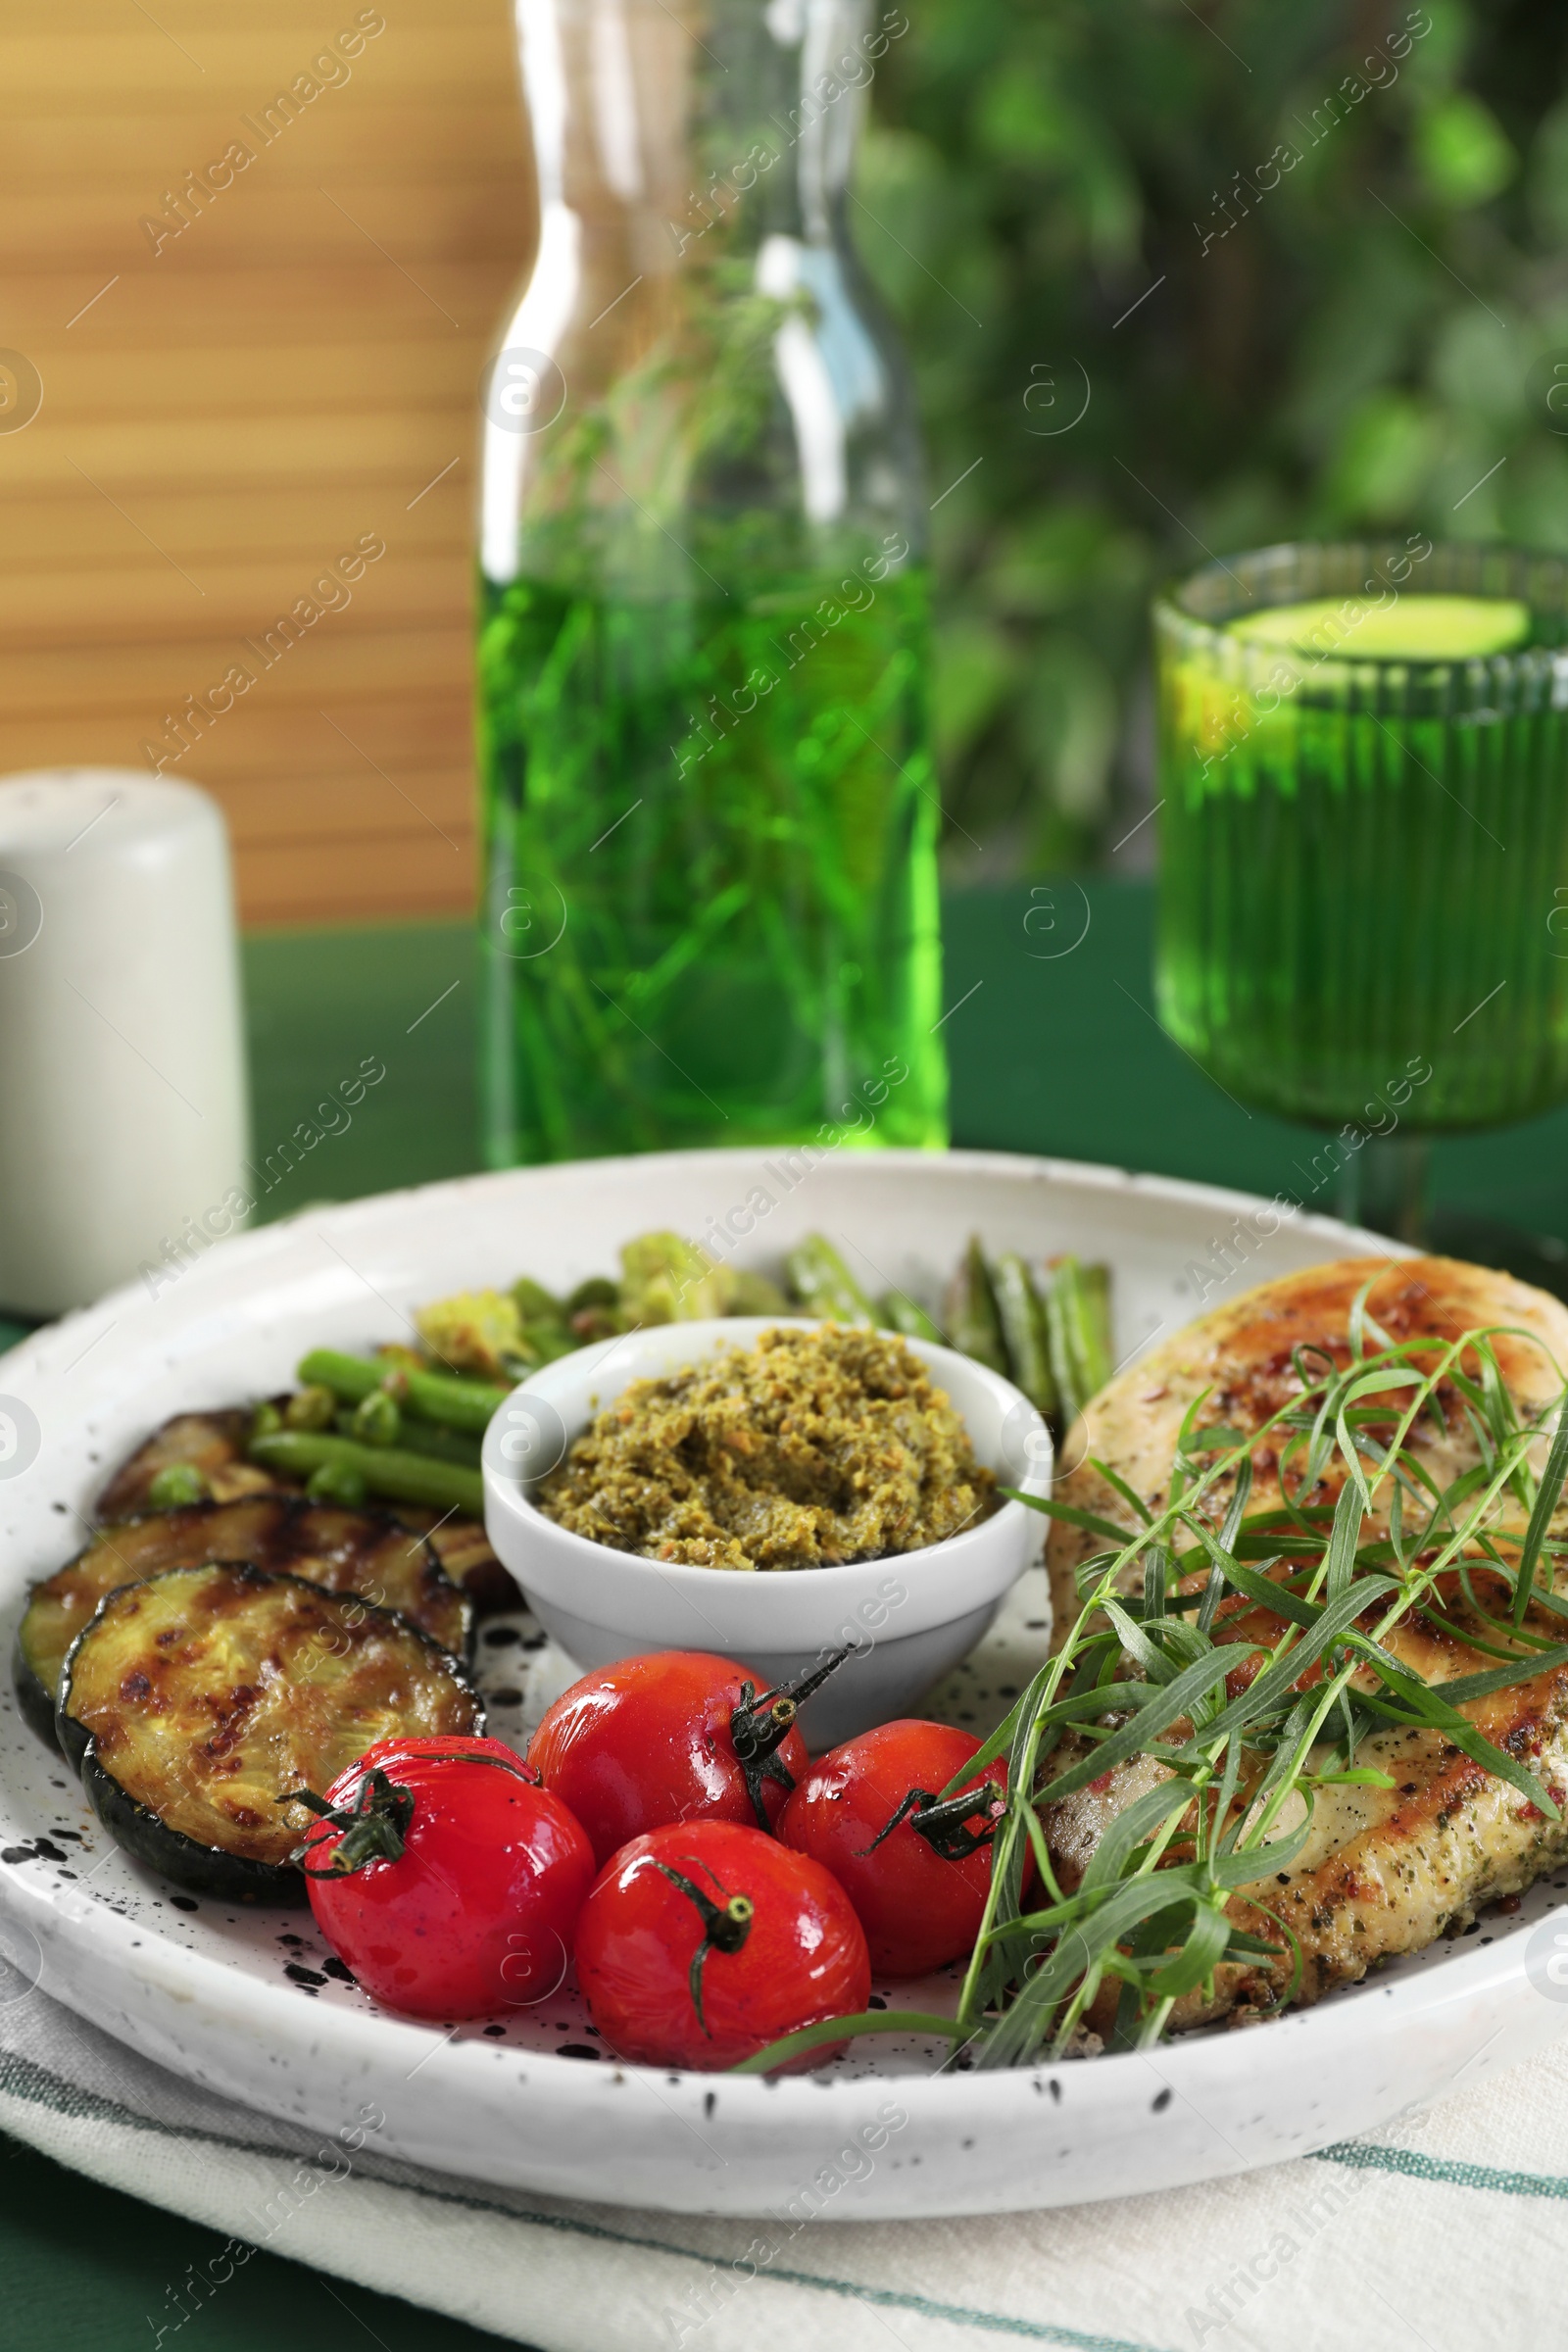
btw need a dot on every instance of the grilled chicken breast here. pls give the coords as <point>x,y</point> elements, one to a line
<point>1243,1355</point>
<point>1386,1871</point>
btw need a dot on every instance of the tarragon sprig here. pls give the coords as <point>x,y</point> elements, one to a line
<point>1234,1784</point>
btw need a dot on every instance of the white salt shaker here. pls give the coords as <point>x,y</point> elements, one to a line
<point>122,1089</point>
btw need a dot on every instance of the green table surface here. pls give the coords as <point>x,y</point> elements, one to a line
<point>1050,1052</point>
<point>1058,1054</point>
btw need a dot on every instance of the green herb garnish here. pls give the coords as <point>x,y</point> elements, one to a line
<point>1142,1674</point>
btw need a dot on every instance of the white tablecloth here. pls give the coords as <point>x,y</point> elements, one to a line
<point>1449,2232</point>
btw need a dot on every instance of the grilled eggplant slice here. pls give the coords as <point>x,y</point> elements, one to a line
<point>191,1701</point>
<point>463,1550</point>
<point>346,1551</point>
<point>214,1445</point>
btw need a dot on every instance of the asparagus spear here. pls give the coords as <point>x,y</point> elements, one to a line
<point>382,1469</point>
<point>1097,1343</point>
<point>592,1311</point>
<point>1078,1313</point>
<point>536,1305</point>
<point>973,1327</point>
<point>900,1312</point>
<point>443,1396</point>
<point>1022,1315</point>
<point>824,1285</point>
<point>546,1341</point>
<point>596,1291</point>
<point>547,1326</point>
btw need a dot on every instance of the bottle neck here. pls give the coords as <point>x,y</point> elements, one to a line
<point>662,128</point>
<point>696,348</point>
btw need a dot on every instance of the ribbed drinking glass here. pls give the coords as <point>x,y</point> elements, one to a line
<point>1363,854</point>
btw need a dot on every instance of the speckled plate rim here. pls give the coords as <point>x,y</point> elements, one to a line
<point>960,2143</point>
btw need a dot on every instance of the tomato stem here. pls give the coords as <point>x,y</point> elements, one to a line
<point>374,1828</point>
<point>944,1826</point>
<point>724,1929</point>
<point>759,1728</point>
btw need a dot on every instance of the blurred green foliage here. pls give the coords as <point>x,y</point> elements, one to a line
<point>1339,342</point>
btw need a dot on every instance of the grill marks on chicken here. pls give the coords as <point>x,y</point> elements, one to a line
<point>1244,1355</point>
<point>1385,1872</point>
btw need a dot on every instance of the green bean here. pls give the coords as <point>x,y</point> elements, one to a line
<point>1025,1336</point>
<point>899,1312</point>
<point>1078,1313</point>
<point>824,1285</point>
<point>348,1376</point>
<point>973,1327</point>
<point>444,1396</point>
<point>385,1469</point>
<point>441,1445</point>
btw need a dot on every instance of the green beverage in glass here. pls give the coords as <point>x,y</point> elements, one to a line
<point>1363,823</point>
<point>710,808</point>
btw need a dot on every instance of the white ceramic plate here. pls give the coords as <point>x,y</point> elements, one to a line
<point>534,2102</point>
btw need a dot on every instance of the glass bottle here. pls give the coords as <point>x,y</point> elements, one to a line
<point>709,811</point>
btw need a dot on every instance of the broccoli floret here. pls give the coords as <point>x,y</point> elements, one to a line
<point>666,1280</point>
<point>476,1331</point>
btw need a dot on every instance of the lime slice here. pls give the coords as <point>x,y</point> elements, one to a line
<point>1417,628</point>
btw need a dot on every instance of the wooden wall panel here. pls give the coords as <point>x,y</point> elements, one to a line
<point>227,409</point>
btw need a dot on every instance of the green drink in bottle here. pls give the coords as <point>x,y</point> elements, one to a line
<point>709,809</point>
<point>1364,831</point>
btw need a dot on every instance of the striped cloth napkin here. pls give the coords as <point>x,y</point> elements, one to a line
<point>1449,2231</point>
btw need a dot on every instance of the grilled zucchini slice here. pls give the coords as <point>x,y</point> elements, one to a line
<point>346,1551</point>
<point>190,1701</point>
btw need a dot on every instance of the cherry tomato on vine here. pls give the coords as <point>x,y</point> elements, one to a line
<point>676,1736</point>
<point>915,1872</point>
<point>706,1941</point>
<point>445,1876</point>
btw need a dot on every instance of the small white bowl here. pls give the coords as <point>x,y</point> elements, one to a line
<point>905,1617</point>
